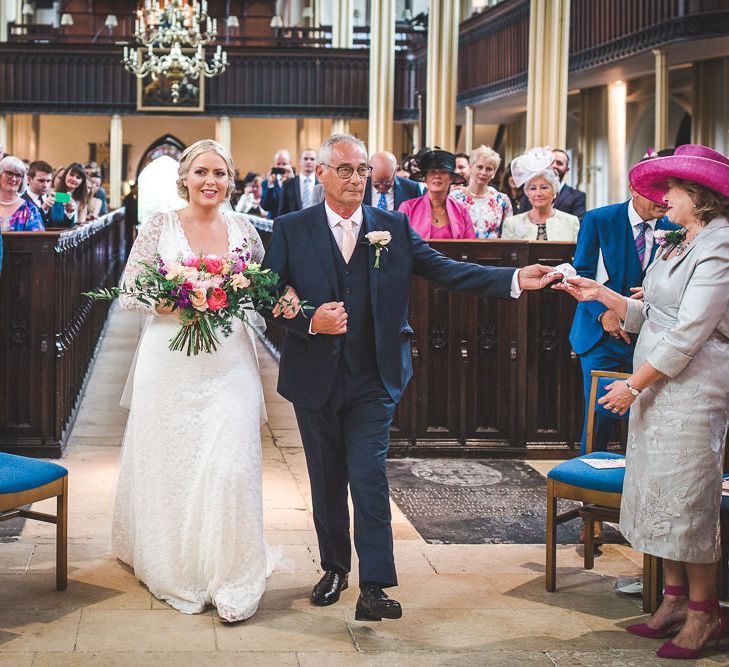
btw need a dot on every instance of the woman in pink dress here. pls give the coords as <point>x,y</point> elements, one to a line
<point>435,215</point>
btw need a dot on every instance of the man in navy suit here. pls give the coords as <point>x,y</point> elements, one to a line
<point>345,366</point>
<point>569,199</point>
<point>615,246</point>
<point>280,172</point>
<point>385,190</point>
<point>298,192</point>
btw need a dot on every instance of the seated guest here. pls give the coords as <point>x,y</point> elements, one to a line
<point>542,222</point>
<point>250,202</point>
<point>435,215</point>
<point>385,189</point>
<point>463,167</point>
<point>615,246</point>
<point>510,189</point>
<point>73,182</point>
<point>57,177</point>
<point>488,207</point>
<point>569,199</point>
<point>297,193</point>
<point>39,185</point>
<point>16,214</point>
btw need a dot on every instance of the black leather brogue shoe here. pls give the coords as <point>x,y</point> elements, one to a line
<point>329,587</point>
<point>374,605</point>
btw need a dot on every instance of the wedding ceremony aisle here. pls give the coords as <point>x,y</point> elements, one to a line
<point>475,604</point>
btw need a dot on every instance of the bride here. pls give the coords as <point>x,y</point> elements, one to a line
<point>188,514</point>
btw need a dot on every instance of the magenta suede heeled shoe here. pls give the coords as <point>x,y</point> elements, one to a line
<point>671,651</point>
<point>644,630</point>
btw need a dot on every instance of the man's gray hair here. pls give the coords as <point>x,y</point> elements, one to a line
<point>549,176</point>
<point>324,156</point>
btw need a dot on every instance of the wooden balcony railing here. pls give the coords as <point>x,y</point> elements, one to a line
<point>491,376</point>
<point>259,82</point>
<point>48,331</point>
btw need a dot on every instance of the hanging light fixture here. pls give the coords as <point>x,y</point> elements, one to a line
<point>232,21</point>
<point>66,19</point>
<point>165,29</point>
<point>27,9</point>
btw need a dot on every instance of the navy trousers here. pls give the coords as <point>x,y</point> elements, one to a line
<point>610,354</point>
<point>346,444</point>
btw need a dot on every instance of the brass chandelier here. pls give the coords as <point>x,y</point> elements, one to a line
<point>175,34</point>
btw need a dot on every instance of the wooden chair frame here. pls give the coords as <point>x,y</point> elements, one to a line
<point>10,507</point>
<point>596,506</point>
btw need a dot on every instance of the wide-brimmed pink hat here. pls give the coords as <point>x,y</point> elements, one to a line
<point>690,162</point>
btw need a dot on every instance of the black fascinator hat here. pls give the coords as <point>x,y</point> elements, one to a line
<point>435,158</point>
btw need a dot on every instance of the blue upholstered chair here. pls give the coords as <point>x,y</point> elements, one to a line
<point>599,491</point>
<point>24,481</point>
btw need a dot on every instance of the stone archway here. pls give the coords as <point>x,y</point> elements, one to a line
<point>167,144</point>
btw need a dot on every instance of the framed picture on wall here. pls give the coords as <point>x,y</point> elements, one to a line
<point>170,93</point>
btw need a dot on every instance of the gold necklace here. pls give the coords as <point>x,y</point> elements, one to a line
<point>473,194</point>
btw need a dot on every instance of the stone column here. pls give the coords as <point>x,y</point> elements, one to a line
<point>442,75</point>
<point>549,22</point>
<point>116,147</point>
<point>468,130</point>
<point>594,145</point>
<point>4,147</point>
<point>382,76</point>
<point>660,137</point>
<point>617,171</point>
<point>710,108</point>
<point>22,136</point>
<point>4,18</point>
<point>342,24</point>
<point>340,126</point>
<point>222,132</point>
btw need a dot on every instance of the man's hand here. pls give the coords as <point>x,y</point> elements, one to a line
<point>330,318</point>
<point>611,323</point>
<point>535,277</point>
<point>49,201</point>
<point>636,293</point>
<point>289,305</point>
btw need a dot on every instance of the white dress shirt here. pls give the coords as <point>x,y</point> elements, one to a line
<point>389,196</point>
<point>37,199</point>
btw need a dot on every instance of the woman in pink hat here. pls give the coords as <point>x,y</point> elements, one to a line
<point>678,394</point>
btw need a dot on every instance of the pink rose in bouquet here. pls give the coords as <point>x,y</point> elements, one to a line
<point>218,299</point>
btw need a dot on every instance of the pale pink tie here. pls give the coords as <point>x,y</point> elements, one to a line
<point>348,240</point>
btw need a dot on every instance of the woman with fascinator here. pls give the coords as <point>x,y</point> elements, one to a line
<point>678,394</point>
<point>542,222</point>
<point>435,215</point>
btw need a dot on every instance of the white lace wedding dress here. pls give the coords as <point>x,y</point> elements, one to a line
<point>188,511</point>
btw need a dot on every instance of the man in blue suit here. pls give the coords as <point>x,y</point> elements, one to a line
<point>615,246</point>
<point>384,189</point>
<point>346,366</point>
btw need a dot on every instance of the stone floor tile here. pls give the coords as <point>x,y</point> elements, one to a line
<point>286,630</point>
<point>144,631</point>
<point>645,657</point>
<point>496,658</point>
<point>17,659</point>
<point>28,630</point>
<point>288,519</point>
<point>159,659</point>
<point>15,557</point>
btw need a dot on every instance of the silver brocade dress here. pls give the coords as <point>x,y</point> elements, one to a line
<point>677,427</point>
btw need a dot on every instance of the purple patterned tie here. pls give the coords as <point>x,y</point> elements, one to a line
<point>640,241</point>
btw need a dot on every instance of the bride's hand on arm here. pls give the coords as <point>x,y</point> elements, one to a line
<point>585,289</point>
<point>289,305</point>
<point>165,308</point>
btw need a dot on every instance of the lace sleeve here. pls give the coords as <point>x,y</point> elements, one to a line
<point>257,249</point>
<point>143,250</point>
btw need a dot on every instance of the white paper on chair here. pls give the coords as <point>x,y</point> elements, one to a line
<point>604,464</point>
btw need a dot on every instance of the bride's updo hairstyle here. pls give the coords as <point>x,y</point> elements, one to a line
<point>197,149</point>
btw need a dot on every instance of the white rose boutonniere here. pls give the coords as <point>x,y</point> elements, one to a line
<point>379,241</point>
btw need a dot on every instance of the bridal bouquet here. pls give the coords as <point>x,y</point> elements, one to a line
<point>207,291</point>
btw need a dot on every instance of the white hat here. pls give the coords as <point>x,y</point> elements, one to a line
<point>528,165</point>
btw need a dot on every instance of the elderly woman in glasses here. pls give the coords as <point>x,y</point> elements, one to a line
<point>16,214</point>
<point>542,222</point>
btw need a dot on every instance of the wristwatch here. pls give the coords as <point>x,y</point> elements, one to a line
<point>632,389</point>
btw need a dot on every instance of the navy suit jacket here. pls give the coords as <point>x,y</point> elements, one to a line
<point>404,189</point>
<point>569,200</point>
<point>290,197</point>
<point>607,229</point>
<point>302,254</point>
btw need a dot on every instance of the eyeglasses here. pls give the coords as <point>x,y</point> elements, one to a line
<point>345,171</point>
<point>13,174</point>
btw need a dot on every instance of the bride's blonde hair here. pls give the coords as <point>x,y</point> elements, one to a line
<point>197,149</point>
